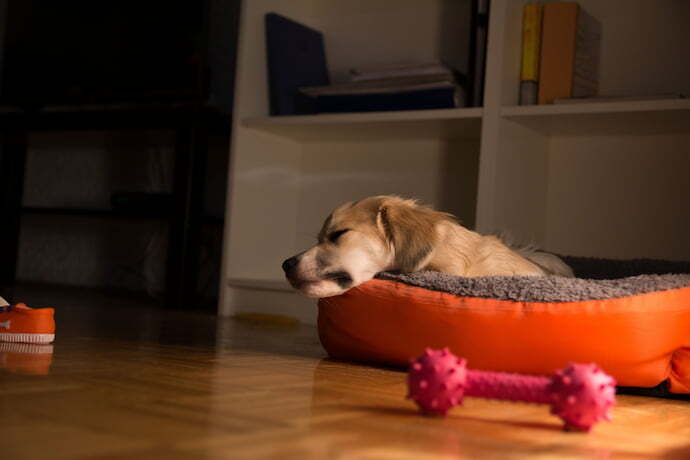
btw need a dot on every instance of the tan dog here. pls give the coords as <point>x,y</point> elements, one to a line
<point>387,233</point>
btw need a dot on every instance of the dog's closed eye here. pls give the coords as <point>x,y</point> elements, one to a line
<point>333,236</point>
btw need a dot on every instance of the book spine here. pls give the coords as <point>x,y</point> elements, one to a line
<point>479,31</point>
<point>431,70</point>
<point>557,60</point>
<point>587,51</point>
<point>531,48</point>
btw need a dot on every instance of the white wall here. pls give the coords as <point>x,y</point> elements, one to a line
<point>442,174</point>
<point>620,197</point>
<point>645,46</point>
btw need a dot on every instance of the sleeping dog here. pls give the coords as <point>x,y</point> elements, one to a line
<point>388,233</point>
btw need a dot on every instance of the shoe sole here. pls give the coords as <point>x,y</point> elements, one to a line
<point>26,338</point>
<point>26,348</point>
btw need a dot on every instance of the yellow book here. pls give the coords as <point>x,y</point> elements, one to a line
<point>531,41</point>
<point>531,50</point>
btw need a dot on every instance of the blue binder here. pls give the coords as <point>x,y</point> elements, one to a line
<point>296,58</point>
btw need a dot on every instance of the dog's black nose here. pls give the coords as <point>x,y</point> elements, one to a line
<point>289,264</point>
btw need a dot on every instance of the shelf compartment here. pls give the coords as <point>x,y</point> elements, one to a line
<point>652,117</point>
<point>461,123</point>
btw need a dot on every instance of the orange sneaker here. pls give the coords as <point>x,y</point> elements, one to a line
<point>19,323</point>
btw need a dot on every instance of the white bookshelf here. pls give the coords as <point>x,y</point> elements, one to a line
<point>447,124</point>
<point>653,117</point>
<point>602,179</point>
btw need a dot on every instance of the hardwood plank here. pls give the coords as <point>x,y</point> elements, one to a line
<point>128,383</point>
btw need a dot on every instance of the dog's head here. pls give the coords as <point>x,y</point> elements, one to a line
<point>360,239</point>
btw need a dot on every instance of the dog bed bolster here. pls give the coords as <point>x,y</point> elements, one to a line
<point>635,326</point>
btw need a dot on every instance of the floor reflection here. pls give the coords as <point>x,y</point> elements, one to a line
<point>26,358</point>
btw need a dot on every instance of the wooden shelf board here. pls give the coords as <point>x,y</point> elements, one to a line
<point>260,284</point>
<point>462,123</point>
<point>83,212</point>
<point>605,118</point>
<point>116,116</point>
<point>110,213</point>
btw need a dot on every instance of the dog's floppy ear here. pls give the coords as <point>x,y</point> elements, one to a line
<point>411,231</point>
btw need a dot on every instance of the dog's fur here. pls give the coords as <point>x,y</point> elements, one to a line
<point>387,233</point>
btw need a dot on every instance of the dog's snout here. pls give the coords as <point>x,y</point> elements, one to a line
<point>290,264</point>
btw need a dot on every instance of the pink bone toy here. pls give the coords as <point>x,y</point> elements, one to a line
<point>581,394</point>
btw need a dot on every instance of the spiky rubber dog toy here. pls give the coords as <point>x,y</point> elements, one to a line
<point>581,394</point>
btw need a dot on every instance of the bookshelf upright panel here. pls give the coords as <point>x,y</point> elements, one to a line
<point>513,161</point>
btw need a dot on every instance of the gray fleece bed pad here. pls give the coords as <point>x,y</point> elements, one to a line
<point>596,279</point>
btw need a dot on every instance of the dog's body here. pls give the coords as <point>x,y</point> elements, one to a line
<point>388,233</point>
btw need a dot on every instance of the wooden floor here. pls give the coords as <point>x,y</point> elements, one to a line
<point>128,382</point>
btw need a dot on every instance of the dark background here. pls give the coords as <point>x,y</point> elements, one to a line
<point>77,51</point>
<point>79,54</point>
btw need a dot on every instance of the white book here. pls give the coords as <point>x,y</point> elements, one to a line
<point>374,89</point>
<point>434,68</point>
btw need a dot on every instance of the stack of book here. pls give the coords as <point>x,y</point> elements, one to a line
<point>299,80</point>
<point>406,87</point>
<point>561,45</point>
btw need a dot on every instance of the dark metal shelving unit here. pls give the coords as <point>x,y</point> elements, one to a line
<point>192,124</point>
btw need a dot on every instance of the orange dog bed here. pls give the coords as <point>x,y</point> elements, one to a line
<point>630,317</point>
